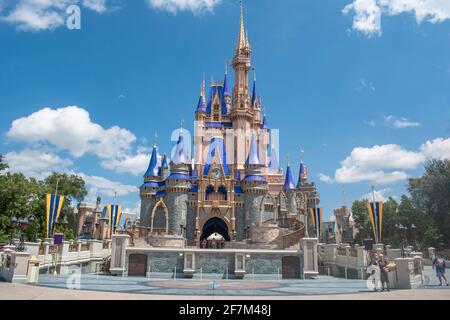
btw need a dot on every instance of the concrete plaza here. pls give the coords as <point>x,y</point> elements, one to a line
<point>93,287</point>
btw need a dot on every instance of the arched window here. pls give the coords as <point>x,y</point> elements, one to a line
<point>209,191</point>
<point>223,191</point>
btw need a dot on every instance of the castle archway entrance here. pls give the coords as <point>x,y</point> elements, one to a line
<point>215,225</point>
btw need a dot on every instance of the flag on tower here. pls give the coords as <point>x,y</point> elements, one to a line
<point>376,217</point>
<point>54,206</point>
<point>316,217</point>
<point>114,214</point>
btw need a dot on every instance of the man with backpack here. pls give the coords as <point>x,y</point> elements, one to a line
<point>439,266</point>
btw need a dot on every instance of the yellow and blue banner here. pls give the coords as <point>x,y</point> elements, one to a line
<point>54,206</point>
<point>316,217</point>
<point>376,217</point>
<point>114,214</point>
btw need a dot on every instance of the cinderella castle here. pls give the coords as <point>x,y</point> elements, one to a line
<point>233,188</point>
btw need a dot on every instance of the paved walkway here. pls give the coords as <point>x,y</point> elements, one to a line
<point>28,292</point>
<point>93,287</point>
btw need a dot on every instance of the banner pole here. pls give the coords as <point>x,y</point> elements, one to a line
<point>374,213</point>
<point>54,205</point>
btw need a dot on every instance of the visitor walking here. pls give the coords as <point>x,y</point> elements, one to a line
<point>384,273</point>
<point>439,265</point>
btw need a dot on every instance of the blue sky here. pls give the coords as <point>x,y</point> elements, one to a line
<point>362,86</point>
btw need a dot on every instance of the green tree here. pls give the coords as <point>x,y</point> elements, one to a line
<point>390,218</point>
<point>430,193</point>
<point>21,196</point>
<point>362,221</point>
<point>3,165</point>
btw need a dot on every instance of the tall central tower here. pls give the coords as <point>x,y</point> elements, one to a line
<point>241,113</point>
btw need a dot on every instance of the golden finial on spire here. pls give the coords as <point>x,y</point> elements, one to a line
<point>242,40</point>
<point>155,139</point>
<point>247,42</point>
<point>202,90</point>
<point>181,123</point>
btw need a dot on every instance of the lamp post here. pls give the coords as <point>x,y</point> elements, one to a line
<point>401,230</point>
<point>23,226</point>
<point>413,235</point>
<point>12,227</point>
<point>32,220</point>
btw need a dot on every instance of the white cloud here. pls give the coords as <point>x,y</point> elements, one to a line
<point>380,195</point>
<point>102,186</point>
<point>96,5</point>
<point>40,164</point>
<point>437,149</point>
<point>325,178</point>
<point>367,13</point>
<point>387,164</point>
<point>71,129</point>
<point>381,164</point>
<point>38,15</point>
<point>196,6</point>
<point>36,163</point>
<point>370,123</point>
<point>367,16</point>
<point>135,165</point>
<point>400,122</point>
<point>136,210</point>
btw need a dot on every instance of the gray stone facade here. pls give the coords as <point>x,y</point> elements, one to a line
<point>177,206</point>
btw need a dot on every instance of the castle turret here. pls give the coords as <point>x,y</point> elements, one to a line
<point>164,169</point>
<point>256,104</point>
<point>289,181</point>
<point>254,185</point>
<point>303,176</point>
<point>274,165</point>
<point>289,189</point>
<point>178,185</point>
<point>150,187</point>
<point>241,114</point>
<point>226,91</point>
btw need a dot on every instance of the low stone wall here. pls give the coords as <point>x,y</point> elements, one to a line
<point>165,241</point>
<point>213,262</point>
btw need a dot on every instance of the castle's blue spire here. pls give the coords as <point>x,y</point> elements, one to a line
<point>265,124</point>
<point>164,162</point>
<point>201,106</point>
<point>152,170</point>
<point>179,156</point>
<point>289,182</point>
<point>255,92</point>
<point>253,157</point>
<point>226,90</point>
<point>274,165</point>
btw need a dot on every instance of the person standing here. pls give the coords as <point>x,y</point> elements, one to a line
<point>374,274</point>
<point>439,265</point>
<point>384,273</point>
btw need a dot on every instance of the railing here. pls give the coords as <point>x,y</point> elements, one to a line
<point>53,249</point>
<point>340,251</point>
<point>73,247</point>
<point>85,247</point>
